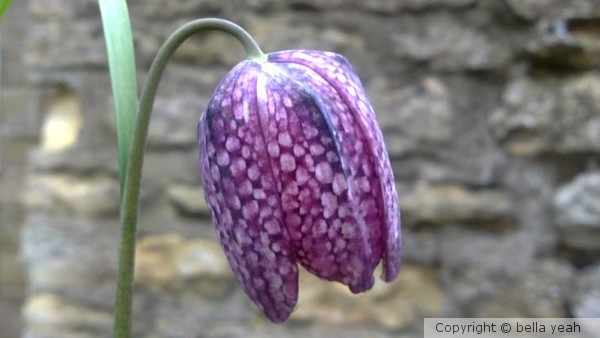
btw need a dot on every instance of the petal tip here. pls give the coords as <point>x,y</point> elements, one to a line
<point>366,285</point>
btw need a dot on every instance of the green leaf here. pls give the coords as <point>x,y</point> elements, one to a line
<point>3,7</point>
<point>121,61</point>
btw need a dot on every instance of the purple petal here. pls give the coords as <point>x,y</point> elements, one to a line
<point>243,196</point>
<point>360,138</point>
<point>328,240</point>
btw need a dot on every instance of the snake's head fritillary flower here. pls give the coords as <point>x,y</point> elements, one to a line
<point>295,169</point>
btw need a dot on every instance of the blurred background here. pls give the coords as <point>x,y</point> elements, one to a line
<point>490,111</point>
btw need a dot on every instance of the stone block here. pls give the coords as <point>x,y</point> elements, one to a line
<point>451,204</point>
<point>392,6</point>
<point>549,117</point>
<point>48,315</point>
<point>71,257</point>
<point>84,196</point>
<point>577,208</point>
<point>541,292</point>
<point>537,9</point>
<point>49,10</point>
<point>19,114</point>
<point>169,262</point>
<point>188,200</point>
<point>585,302</point>
<point>447,43</point>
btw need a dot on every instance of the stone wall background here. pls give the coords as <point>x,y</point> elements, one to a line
<point>20,120</point>
<point>490,111</point>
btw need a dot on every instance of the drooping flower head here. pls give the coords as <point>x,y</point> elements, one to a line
<point>295,170</point>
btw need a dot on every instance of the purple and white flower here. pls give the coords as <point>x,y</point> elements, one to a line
<point>295,169</point>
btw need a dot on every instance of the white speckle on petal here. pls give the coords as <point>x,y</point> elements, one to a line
<point>358,146</point>
<point>272,200</point>
<point>288,163</point>
<point>298,150</point>
<point>301,175</point>
<point>340,244</point>
<point>332,156</point>
<point>351,91</point>
<point>316,149</point>
<point>293,220</point>
<point>339,184</point>
<point>310,132</point>
<point>276,281</point>
<point>284,268</point>
<point>253,173</point>
<point>222,158</point>
<point>348,230</point>
<point>362,107</point>
<point>214,172</point>
<point>250,210</point>
<point>344,211</point>
<point>259,194</point>
<point>235,203</point>
<point>272,227</point>
<point>320,228</point>
<point>323,173</point>
<point>265,212</point>
<point>245,188</point>
<point>232,143</point>
<point>238,166</point>
<point>365,186</point>
<point>291,188</point>
<point>329,203</point>
<point>265,241</point>
<point>238,112</point>
<point>232,125</point>
<point>273,149</point>
<point>309,162</point>
<point>285,140</point>
<point>246,152</point>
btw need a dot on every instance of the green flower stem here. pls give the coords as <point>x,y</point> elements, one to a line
<point>129,206</point>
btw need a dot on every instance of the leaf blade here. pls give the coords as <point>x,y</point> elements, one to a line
<point>121,60</point>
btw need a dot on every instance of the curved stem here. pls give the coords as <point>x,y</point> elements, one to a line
<point>3,7</point>
<point>129,205</point>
